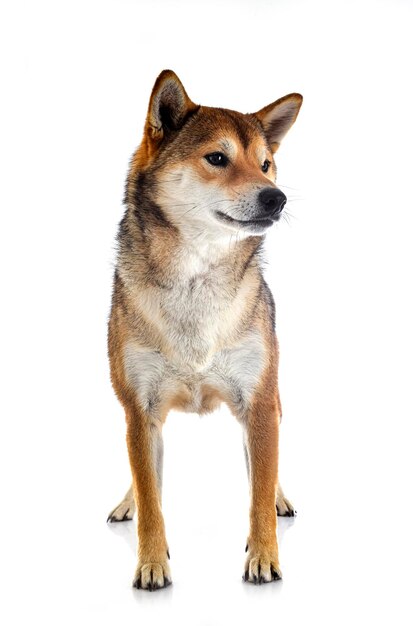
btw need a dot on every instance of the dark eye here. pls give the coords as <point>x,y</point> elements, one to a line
<point>217,158</point>
<point>265,166</point>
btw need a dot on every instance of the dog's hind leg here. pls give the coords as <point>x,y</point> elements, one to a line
<point>284,506</point>
<point>125,510</point>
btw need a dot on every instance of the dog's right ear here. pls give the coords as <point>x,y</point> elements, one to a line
<point>169,106</point>
<point>278,117</point>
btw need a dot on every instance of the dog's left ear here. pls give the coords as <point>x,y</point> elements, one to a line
<point>278,117</point>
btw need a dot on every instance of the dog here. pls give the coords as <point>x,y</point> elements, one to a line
<point>192,321</point>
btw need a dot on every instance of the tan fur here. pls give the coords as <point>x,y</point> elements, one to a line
<point>191,324</point>
<point>125,510</point>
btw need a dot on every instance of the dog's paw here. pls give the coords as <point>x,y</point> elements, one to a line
<point>121,513</point>
<point>152,576</point>
<point>261,568</point>
<point>284,507</point>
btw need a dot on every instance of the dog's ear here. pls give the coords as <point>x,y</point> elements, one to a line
<point>278,117</point>
<point>169,106</point>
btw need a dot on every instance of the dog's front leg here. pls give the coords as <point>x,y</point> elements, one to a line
<point>261,440</point>
<point>144,440</point>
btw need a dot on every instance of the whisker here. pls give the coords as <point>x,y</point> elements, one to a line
<point>176,205</point>
<point>170,180</point>
<point>287,187</point>
<point>286,218</point>
<point>289,214</point>
<point>195,206</point>
<point>216,202</point>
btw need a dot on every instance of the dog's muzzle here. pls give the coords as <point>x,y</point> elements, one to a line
<point>268,207</point>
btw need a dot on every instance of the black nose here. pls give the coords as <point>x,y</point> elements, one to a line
<point>272,201</point>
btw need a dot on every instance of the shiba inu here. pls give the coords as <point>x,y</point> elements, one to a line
<point>192,321</point>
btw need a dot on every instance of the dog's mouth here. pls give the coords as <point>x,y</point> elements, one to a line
<point>259,223</point>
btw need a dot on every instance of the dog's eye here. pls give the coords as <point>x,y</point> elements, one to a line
<point>265,166</point>
<point>217,158</point>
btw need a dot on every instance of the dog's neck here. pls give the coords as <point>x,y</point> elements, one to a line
<point>167,256</point>
<point>199,254</point>
<point>224,258</point>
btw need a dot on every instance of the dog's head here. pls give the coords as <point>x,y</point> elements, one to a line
<point>210,169</point>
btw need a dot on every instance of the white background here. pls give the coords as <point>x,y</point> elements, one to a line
<point>76,79</point>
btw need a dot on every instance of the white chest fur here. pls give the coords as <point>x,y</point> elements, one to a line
<point>197,319</point>
<point>234,372</point>
<point>194,319</point>
<point>201,312</point>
